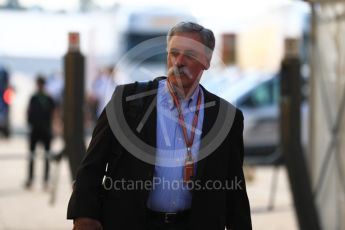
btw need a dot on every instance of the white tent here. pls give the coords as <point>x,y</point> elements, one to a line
<point>327,146</point>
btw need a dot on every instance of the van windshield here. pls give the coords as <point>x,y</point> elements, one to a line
<point>154,55</point>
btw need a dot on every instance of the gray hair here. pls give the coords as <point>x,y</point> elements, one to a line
<point>206,35</point>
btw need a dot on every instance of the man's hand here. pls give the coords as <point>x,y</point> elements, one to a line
<point>87,224</point>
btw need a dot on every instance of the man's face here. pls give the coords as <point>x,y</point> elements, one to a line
<point>187,60</point>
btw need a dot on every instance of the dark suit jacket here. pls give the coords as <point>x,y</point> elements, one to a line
<point>119,209</point>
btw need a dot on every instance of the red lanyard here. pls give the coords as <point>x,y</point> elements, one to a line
<point>188,141</point>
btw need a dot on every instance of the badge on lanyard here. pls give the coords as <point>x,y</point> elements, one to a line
<point>188,167</point>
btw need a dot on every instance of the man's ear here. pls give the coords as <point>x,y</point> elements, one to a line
<point>206,63</point>
<point>207,66</point>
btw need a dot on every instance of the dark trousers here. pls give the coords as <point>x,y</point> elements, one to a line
<point>157,225</point>
<point>45,139</point>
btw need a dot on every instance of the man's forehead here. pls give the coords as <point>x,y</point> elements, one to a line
<point>186,41</point>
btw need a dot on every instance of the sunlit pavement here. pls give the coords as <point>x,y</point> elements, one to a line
<point>281,216</point>
<point>32,210</point>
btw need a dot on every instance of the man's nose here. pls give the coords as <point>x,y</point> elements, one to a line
<point>179,60</point>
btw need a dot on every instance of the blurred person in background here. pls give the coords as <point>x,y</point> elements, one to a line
<point>6,93</point>
<point>176,129</point>
<point>103,88</point>
<point>55,88</point>
<point>39,116</point>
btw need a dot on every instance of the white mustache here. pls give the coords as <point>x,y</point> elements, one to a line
<point>178,71</point>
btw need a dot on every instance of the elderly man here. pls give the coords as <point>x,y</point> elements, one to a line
<point>175,161</point>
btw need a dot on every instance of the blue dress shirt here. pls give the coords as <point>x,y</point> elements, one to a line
<point>169,193</point>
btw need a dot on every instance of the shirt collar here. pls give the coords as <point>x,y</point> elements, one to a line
<point>166,97</point>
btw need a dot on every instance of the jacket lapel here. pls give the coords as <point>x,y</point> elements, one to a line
<point>149,131</point>
<point>211,107</point>
<point>149,116</point>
